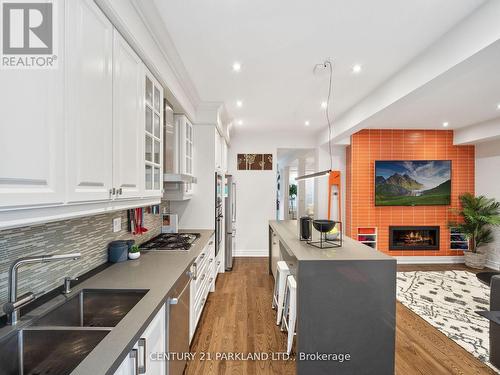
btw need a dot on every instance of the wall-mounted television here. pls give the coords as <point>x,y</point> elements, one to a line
<point>412,182</point>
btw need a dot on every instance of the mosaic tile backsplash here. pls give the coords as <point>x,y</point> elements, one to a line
<point>88,235</point>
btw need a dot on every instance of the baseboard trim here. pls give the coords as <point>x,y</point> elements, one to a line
<point>493,265</point>
<point>251,253</point>
<point>429,259</point>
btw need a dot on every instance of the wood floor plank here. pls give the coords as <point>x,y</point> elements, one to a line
<point>238,318</point>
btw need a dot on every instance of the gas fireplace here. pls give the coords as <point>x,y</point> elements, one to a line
<point>414,238</point>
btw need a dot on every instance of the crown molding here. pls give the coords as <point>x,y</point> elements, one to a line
<point>215,113</point>
<point>154,23</point>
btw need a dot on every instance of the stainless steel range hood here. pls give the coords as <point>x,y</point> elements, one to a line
<point>179,178</point>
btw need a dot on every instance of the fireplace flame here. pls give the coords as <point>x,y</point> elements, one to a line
<point>416,237</point>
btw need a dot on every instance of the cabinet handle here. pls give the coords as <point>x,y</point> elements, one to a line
<point>195,272</point>
<point>112,191</point>
<point>142,344</point>
<point>203,276</point>
<point>210,260</point>
<point>119,191</point>
<point>218,263</point>
<point>211,279</point>
<point>202,256</point>
<point>210,243</point>
<point>133,355</point>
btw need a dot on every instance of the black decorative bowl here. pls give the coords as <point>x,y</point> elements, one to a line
<point>324,226</point>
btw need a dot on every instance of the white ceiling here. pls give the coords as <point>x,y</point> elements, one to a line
<point>279,42</point>
<point>467,94</point>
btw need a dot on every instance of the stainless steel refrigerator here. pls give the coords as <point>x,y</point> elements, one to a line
<point>230,226</point>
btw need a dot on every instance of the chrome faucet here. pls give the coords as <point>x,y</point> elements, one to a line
<point>11,308</point>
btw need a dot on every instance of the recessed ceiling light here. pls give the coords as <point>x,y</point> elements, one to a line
<point>445,124</point>
<point>239,103</point>
<point>357,68</point>
<point>240,122</point>
<point>307,123</point>
<point>324,105</point>
<point>236,66</point>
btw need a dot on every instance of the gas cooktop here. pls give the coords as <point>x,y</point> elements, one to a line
<point>171,241</point>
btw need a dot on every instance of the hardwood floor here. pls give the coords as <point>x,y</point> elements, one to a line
<point>238,318</point>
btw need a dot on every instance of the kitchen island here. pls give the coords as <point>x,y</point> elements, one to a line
<point>346,300</point>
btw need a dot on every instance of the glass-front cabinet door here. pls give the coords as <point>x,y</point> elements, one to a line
<point>153,140</point>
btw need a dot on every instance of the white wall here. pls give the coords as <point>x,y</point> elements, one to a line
<point>488,183</point>
<point>256,194</point>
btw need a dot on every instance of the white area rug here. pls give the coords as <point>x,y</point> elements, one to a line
<point>448,301</point>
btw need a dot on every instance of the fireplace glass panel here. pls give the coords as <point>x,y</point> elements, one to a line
<point>414,238</point>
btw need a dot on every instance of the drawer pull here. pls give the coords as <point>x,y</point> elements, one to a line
<point>203,276</point>
<point>202,255</point>
<point>142,344</point>
<point>133,354</point>
<point>195,272</point>
<point>210,260</point>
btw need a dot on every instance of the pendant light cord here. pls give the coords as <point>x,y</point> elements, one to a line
<point>327,111</point>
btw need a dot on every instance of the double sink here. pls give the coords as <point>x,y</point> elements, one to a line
<point>59,340</point>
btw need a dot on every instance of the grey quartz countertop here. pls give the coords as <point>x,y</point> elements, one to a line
<point>156,271</point>
<point>351,249</point>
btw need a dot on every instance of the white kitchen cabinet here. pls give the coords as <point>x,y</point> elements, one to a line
<point>202,283</point>
<point>75,139</point>
<point>32,165</point>
<point>89,120</point>
<point>186,144</point>
<point>128,83</point>
<point>218,151</point>
<point>152,341</point>
<point>152,136</point>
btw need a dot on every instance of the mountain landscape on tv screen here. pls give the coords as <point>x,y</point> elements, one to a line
<point>412,183</point>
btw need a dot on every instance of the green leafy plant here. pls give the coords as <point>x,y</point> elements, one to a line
<point>292,191</point>
<point>478,215</point>
<point>134,249</point>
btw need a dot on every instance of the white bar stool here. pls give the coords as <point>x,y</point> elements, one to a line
<point>290,311</point>
<point>282,272</point>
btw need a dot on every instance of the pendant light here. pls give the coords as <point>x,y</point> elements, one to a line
<point>325,65</point>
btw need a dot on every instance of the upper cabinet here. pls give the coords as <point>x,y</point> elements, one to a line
<point>220,153</point>
<point>153,136</point>
<point>186,144</point>
<point>128,88</point>
<point>32,134</point>
<point>86,137</point>
<point>89,120</point>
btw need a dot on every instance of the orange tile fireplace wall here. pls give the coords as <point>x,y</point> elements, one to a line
<point>370,145</point>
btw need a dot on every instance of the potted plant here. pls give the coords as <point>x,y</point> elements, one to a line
<point>134,252</point>
<point>478,215</point>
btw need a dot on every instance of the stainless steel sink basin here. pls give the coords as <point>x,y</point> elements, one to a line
<point>93,308</point>
<point>46,351</point>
